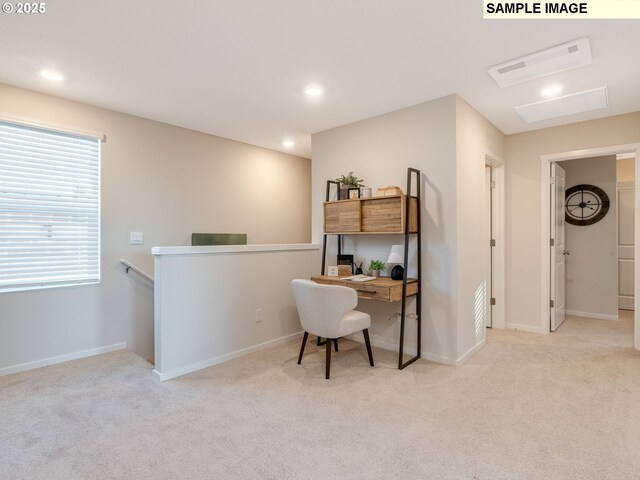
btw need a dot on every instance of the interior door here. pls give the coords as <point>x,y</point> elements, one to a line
<point>558,247</point>
<point>488,248</point>
<point>626,247</point>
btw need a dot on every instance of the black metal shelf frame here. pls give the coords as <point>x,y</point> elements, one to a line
<point>411,172</point>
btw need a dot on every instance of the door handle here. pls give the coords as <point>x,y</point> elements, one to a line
<point>566,252</point>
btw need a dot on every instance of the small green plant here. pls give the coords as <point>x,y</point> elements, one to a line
<point>350,180</point>
<point>376,265</point>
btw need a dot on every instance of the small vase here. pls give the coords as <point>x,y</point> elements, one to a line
<point>375,273</point>
<point>344,191</point>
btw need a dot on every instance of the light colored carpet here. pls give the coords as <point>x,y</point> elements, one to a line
<point>527,406</point>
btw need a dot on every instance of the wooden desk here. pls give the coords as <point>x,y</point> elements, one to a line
<point>382,288</point>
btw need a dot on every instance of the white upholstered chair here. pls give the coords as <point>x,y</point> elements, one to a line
<point>328,312</point>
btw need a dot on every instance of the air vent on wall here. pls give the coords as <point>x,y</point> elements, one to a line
<point>574,54</point>
<point>567,105</point>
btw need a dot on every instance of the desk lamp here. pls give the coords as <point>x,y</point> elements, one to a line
<point>397,256</point>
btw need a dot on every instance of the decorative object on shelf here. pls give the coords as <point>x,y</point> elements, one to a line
<point>353,193</point>
<point>333,194</point>
<point>585,205</point>
<point>345,270</point>
<point>365,192</point>
<point>397,256</point>
<point>332,271</point>
<point>388,191</point>
<point>346,182</point>
<point>359,269</point>
<point>344,259</point>
<point>375,266</point>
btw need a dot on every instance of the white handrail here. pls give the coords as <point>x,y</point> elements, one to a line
<point>130,266</point>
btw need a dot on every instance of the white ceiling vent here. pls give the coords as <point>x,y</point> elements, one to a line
<point>574,54</point>
<point>561,106</point>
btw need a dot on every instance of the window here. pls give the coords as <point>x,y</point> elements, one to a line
<point>49,208</point>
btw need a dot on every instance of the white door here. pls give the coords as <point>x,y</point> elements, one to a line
<point>626,256</point>
<point>558,250</point>
<point>487,246</point>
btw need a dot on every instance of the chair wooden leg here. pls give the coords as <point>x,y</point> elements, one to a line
<point>304,342</point>
<point>365,332</point>
<point>328,358</point>
<point>320,342</point>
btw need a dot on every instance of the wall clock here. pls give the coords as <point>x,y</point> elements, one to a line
<point>585,205</point>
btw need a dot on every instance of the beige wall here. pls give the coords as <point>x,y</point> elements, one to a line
<point>379,150</point>
<point>475,136</point>
<point>166,182</point>
<point>523,151</point>
<point>446,140</point>
<point>592,267</point>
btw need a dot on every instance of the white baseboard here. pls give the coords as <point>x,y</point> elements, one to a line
<point>23,367</point>
<point>471,351</point>
<point>599,316</point>
<point>385,344</point>
<point>177,372</point>
<point>454,362</point>
<point>524,328</point>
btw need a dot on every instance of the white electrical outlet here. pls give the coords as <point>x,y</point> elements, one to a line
<point>136,238</point>
<point>258,315</point>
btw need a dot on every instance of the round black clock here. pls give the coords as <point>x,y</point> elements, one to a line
<point>585,205</point>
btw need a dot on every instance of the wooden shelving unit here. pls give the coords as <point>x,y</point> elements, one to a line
<point>370,215</point>
<point>381,215</point>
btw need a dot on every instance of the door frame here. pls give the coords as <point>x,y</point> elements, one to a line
<point>558,312</point>
<point>498,227</point>
<point>628,185</point>
<point>545,177</point>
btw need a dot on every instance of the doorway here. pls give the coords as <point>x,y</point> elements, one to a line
<point>494,241</point>
<point>549,267</point>
<point>625,179</point>
<point>585,254</point>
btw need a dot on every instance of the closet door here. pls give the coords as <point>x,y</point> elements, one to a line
<point>626,247</point>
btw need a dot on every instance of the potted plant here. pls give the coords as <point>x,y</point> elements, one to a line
<point>375,266</point>
<point>347,182</point>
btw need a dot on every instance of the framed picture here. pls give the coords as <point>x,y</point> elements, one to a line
<point>333,193</point>
<point>343,259</point>
<point>353,193</point>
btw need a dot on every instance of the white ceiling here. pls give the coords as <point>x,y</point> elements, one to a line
<point>237,69</point>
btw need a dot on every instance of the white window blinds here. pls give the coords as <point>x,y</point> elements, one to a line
<point>49,208</point>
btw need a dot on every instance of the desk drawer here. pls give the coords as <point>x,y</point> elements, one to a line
<point>370,291</point>
<point>382,288</point>
<point>395,292</point>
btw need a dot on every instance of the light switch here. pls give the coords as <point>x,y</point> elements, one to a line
<point>137,238</point>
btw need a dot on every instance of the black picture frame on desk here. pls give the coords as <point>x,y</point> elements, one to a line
<point>346,260</point>
<point>353,193</point>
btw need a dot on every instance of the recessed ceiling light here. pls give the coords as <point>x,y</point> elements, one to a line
<point>288,143</point>
<point>551,91</point>
<point>567,105</point>
<point>51,75</point>
<point>313,91</point>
